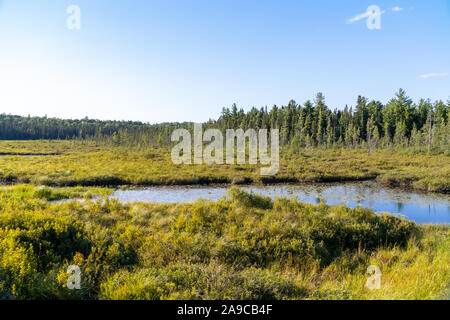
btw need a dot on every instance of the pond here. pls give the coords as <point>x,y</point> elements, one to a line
<point>419,207</point>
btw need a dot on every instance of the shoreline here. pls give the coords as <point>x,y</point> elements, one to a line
<point>124,185</point>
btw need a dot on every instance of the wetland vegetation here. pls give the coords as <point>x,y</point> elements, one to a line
<point>87,164</point>
<point>241,246</point>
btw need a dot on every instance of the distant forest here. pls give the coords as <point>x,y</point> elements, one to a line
<point>400,122</point>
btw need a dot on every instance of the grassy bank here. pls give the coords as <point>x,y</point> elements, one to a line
<point>241,247</point>
<point>71,163</point>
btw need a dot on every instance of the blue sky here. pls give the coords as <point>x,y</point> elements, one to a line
<point>167,60</point>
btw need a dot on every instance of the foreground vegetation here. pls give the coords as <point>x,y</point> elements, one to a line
<point>241,247</point>
<point>71,163</point>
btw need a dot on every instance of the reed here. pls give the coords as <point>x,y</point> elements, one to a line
<point>243,246</point>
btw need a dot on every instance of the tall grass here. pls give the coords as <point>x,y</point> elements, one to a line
<point>241,247</point>
<point>85,164</point>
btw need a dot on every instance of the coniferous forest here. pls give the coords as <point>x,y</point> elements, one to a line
<point>371,124</point>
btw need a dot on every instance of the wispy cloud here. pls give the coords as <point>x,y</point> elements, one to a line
<point>396,9</point>
<point>362,16</point>
<point>433,75</point>
<point>358,17</point>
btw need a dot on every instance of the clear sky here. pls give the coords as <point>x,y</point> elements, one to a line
<point>167,60</point>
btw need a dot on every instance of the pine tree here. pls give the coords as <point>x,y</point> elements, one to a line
<point>370,129</point>
<point>430,127</point>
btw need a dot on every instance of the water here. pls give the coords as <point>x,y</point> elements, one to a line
<point>422,208</point>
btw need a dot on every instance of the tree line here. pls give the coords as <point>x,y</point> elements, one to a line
<point>370,124</point>
<point>398,123</point>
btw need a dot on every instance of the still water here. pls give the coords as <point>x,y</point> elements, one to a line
<point>419,207</point>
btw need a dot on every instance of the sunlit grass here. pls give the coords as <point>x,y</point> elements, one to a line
<point>241,247</point>
<point>84,163</point>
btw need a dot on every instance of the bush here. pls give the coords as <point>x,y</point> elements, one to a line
<point>241,247</point>
<point>199,281</point>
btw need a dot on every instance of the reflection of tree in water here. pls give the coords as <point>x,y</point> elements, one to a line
<point>358,193</point>
<point>367,195</point>
<point>319,194</point>
<point>320,197</point>
<point>363,193</point>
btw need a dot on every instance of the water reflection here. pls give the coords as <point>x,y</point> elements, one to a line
<point>422,208</point>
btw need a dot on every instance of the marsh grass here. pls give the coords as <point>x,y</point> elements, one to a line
<point>84,163</point>
<point>241,247</point>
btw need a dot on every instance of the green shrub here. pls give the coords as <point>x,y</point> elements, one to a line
<point>199,281</point>
<point>241,247</point>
